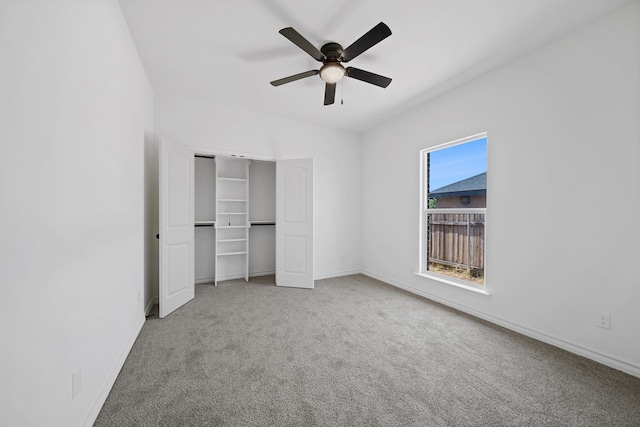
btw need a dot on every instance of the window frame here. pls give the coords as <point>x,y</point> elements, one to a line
<point>425,211</point>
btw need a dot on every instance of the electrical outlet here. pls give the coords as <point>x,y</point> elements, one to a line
<point>76,383</point>
<point>604,320</point>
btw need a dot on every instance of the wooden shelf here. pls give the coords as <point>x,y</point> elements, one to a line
<point>232,240</point>
<point>232,226</point>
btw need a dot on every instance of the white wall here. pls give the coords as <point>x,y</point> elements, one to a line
<point>563,190</point>
<point>74,107</point>
<point>336,166</point>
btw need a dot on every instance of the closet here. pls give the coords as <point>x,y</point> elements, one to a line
<point>226,217</point>
<point>234,218</point>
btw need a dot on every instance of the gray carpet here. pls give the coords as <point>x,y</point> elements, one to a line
<point>352,352</point>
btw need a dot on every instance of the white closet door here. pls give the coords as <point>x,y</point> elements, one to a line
<point>294,223</point>
<point>177,286</point>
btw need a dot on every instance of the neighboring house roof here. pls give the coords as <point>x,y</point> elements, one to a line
<point>473,186</point>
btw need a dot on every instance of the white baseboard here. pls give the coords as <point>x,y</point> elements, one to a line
<point>262,273</point>
<point>204,280</point>
<point>111,379</point>
<point>612,362</point>
<point>335,274</point>
<point>154,301</point>
<point>273,272</point>
<point>229,277</point>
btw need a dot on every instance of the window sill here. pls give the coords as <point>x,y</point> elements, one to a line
<point>453,282</point>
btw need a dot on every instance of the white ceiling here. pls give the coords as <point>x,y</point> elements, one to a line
<point>227,51</point>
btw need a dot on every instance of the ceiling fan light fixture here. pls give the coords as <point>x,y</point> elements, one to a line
<point>332,72</point>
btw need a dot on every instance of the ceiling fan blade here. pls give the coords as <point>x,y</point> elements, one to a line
<point>366,76</point>
<point>294,77</point>
<point>370,39</point>
<point>304,44</point>
<point>330,94</point>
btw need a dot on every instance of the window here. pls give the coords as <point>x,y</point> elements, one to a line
<point>453,207</point>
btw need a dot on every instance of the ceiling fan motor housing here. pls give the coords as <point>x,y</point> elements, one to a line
<point>332,51</point>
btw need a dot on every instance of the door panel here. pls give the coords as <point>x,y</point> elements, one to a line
<point>177,285</point>
<point>179,169</point>
<point>294,254</point>
<point>294,195</point>
<point>294,223</point>
<point>178,268</point>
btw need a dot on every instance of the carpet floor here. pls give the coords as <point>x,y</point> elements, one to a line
<point>352,352</point>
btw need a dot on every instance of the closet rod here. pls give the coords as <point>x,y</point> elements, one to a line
<point>204,156</point>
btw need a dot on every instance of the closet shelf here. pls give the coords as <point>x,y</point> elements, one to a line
<point>232,214</point>
<point>262,222</point>
<point>204,223</point>
<point>221,178</point>
<point>231,253</point>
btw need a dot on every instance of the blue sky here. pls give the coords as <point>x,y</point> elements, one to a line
<point>456,163</point>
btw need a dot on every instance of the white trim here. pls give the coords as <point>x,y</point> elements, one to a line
<point>206,280</point>
<point>421,216</point>
<point>271,272</point>
<point>229,277</point>
<point>154,301</point>
<point>335,274</point>
<point>262,273</point>
<point>207,151</point>
<point>111,379</point>
<point>456,211</point>
<point>455,142</point>
<point>605,359</point>
<point>425,211</point>
<point>453,282</point>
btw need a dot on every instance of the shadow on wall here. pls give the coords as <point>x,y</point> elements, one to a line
<point>151,219</point>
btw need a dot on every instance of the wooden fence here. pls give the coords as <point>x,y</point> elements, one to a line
<point>457,240</point>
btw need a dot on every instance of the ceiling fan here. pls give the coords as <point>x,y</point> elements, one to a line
<point>332,55</point>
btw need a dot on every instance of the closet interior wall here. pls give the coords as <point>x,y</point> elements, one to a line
<point>205,214</point>
<point>261,216</point>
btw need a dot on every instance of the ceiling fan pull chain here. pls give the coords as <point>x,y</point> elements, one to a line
<point>342,92</point>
